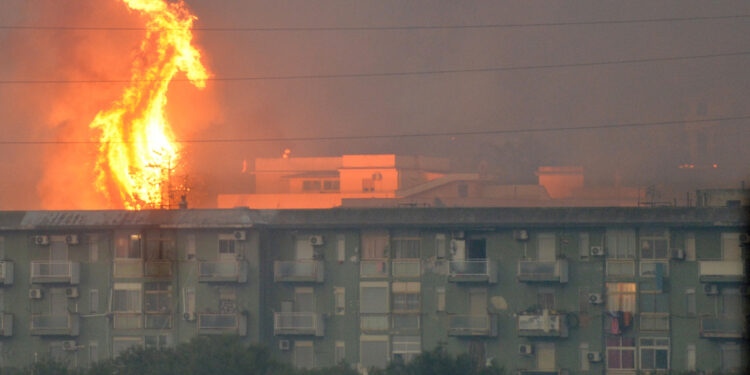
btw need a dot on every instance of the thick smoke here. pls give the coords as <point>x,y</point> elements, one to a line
<point>682,90</point>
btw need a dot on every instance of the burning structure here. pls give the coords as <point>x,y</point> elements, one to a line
<point>137,151</point>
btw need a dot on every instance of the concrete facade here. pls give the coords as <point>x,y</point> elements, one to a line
<point>538,290</point>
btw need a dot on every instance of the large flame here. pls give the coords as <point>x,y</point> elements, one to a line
<point>138,152</point>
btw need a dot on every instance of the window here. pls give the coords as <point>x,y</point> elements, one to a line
<point>188,300</point>
<point>227,246</point>
<point>620,268</point>
<point>228,300</point>
<point>126,297</point>
<point>731,357</point>
<point>654,353</point>
<point>621,297</point>
<point>654,308</point>
<point>546,246</point>
<point>190,251</point>
<point>440,295</point>
<point>331,185</point>
<point>584,249</point>
<point>405,248</point>
<point>339,353</point>
<point>584,356</point>
<point>406,296</point>
<point>368,185</point>
<point>93,248</point>
<point>406,321</point>
<point>374,244</point>
<point>440,245</point>
<point>690,301</point>
<point>341,248</point>
<point>93,352</point>
<point>620,353</point>
<point>405,348</point>
<point>339,297</point>
<point>156,341</point>
<point>730,246</point>
<point>620,243</point>
<point>128,246</point>
<point>690,358</point>
<point>689,246</point>
<point>93,300</point>
<point>546,298</point>
<point>157,297</point>
<point>374,298</point>
<point>731,301</point>
<point>654,244</point>
<point>304,356</point>
<point>373,351</point>
<point>311,185</point>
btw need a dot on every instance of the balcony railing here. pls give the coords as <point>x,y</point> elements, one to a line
<point>405,267</point>
<point>474,270</point>
<point>549,372</point>
<point>43,271</point>
<point>128,268</point>
<point>6,326</point>
<point>373,268</point>
<point>732,271</point>
<point>6,272</point>
<point>544,324</point>
<point>543,271</point>
<point>158,321</point>
<point>373,322</point>
<point>654,322</point>
<point>223,271</point>
<point>157,269</point>
<point>55,325</point>
<point>472,325</point>
<point>213,324</point>
<point>298,271</point>
<point>127,320</point>
<point>722,327</point>
<point>298,323</point>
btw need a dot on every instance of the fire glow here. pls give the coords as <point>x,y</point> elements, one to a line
<point>137,148</point>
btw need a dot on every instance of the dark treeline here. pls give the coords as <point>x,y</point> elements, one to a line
<point>229,356</point>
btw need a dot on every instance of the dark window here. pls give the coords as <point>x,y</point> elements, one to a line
<point>311,185</point>
<point>477,249</point>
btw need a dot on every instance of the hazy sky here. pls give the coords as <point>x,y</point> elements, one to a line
<point>543,98</point>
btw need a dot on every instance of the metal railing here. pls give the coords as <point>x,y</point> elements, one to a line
<point>157,269</point>
<point>405,267</point>
<point>476,267</point>
<point>127,320</point>
<point>481,324</point>
<point>54,271</point>
<point>726,327</point>
<point>373,268</point>
<point>539,270</point>
<point>221,269</point>
<point>295,321</point>
<point>227,322</point>
<point>298,270</point>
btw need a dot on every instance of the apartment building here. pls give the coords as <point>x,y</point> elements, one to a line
<point>540,291</point>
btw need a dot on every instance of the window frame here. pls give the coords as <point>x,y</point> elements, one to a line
<point>655,348</point>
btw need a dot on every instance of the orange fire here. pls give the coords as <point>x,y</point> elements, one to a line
<point>137,151</point>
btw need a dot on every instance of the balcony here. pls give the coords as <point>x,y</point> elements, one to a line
<point>373,268</point>
<point>373,322</point>
<point>298,323</point>
<point>555,271</point>
<point>127,320</point>
<point>722,271</point>
<point>220,324</point>
<point>406,267</point>
<point>128,268</point>
<point>43,271</point>
<point>472,325</point>
<point>305,271</point>
<point>6,326</point>
<point>55,325</point>
<point>223,271</point>
<point>157,269</point>
<point>543,324</point>
<point>473,271</point>
<point>722,327</point>
<point>6,272</point>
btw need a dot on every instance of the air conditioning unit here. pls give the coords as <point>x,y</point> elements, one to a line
<point>597,251</point>
<point>284,345</point>
<point>525,349</point>
<point>745,238</point>
<point>711,289</point>
<point>71,292</point>
<point>35,293</point>
<point>520,235</point>
<point>316,240</point>
<point>678,254</point>
<point>594,356</point>
<point>69,345</point>
<point>71,239</point>
<point>596,298</point>
<point>41,240</point>
<point>189,316</point>
<point>239,235</point>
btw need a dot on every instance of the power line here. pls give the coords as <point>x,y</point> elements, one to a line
<point>719,120</point>
<point>397,74</point>
<point>389,28</point>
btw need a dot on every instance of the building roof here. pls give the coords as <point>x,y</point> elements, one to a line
<point>469,218</point>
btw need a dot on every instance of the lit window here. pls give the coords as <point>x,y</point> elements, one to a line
<point>621,297</point>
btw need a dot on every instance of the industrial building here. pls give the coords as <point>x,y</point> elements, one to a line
<point>540,291</point>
